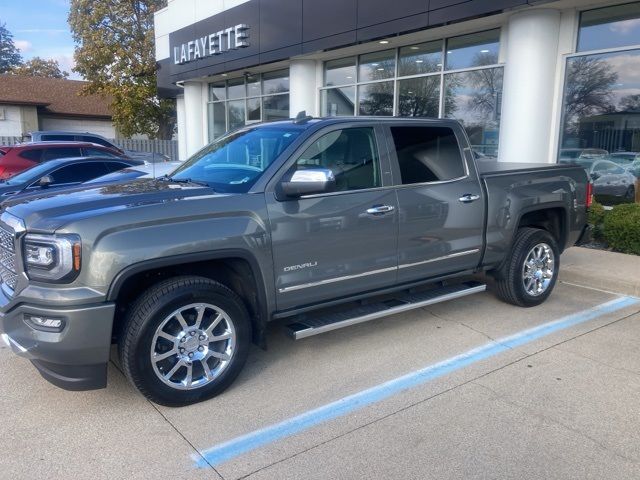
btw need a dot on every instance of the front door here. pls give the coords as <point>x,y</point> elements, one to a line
<point>441,202</point>
<point>340,243</point>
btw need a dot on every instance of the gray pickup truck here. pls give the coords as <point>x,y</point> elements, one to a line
<point>318,223</point>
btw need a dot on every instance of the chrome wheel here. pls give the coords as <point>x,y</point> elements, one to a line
<point>193,346</point>
<point>538,269</point>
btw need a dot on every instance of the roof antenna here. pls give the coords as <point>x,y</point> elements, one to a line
<point>302,117</point>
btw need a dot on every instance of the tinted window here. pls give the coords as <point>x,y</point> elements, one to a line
<point>92,139</point>
<point>79,172</point>
<point>57,138</point>
<point>351,155</point>
<point>427,154</point>
<point>33,155</point>
<point>115,166</point>
<point>95,152</point>
<point>51,153</point>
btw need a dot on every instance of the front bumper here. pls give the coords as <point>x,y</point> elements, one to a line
<point>74,358</point>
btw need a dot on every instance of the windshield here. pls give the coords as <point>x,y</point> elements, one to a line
<point>29,175</point>
<point>120,175</point>
<point>233,163</point>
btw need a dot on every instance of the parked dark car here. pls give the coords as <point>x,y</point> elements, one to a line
<point>18,158</point>
<point>58,135</point>
<point>63,172</point>
<point>630,161</point>
<point>610,180</point>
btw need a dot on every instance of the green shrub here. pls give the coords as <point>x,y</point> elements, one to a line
<point>621,228</point>
<point>595,218</point>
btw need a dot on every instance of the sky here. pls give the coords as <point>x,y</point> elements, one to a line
<point>40,29</point>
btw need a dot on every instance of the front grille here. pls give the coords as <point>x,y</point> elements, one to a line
<point>8,274</point>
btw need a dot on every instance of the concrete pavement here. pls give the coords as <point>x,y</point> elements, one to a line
<point>560,406</point>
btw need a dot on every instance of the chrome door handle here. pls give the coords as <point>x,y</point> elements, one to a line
<point>468,198</point>
<point>378,209</point>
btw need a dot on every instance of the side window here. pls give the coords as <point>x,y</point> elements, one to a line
<point>79,172</point>
<point>95,152</point>
<point>99,141</point>
<point>52,153</point>
<point>34,155</point>
<point>115,166</point>
<point>427,154</point>
<point>351,154</point>
<point>57,138</point>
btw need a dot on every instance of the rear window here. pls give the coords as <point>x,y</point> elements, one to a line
<point>427,154</point>
<point>57,138</point>
<point>96,152</point>
<point>99,141</point>
<point>34,155</point>
<point>65,152</point>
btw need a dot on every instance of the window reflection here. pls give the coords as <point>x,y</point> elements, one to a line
<point>377,66</point>
<point>340,72</point>
<point>338,101</point>
<point>376,98</point>
<point>474,99</point>
<point>275,107</point>
<point>419,97</point>
<point>610,27</point>
<point>421,58</point>
<point>475,50</point>
<point>602,104</point>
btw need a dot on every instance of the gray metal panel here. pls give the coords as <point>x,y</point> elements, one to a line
<point>469,9</point>
<point>327,18</point>
<point>374,12</point>
<point>280,24</point>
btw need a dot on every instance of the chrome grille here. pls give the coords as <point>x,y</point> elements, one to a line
<point>8,274</point>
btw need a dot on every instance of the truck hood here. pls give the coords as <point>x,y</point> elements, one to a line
<point>49,211</point>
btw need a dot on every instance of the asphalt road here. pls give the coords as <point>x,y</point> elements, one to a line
<point>472,388</point>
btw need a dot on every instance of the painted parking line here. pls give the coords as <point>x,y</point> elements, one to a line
<point>233,448</point>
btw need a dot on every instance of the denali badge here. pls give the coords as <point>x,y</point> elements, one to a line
<point>291,268</point>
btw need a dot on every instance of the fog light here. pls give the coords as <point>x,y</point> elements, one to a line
<point>40,322</point>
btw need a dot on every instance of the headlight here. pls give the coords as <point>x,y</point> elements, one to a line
<point>52,257</point>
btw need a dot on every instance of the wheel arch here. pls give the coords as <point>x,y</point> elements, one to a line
<point>236,269</point>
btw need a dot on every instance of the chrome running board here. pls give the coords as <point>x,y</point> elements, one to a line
<point>309,324</point>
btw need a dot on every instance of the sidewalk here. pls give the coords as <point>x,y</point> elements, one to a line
<point>615,272</point>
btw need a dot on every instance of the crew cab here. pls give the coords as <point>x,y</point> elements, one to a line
<point>316,223</point>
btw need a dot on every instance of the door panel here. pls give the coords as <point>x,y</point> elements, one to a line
<point>339,243</point>
<point>329,246</point>
<point>440,199</point>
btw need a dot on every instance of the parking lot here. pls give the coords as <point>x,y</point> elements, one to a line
<point>472,388</point>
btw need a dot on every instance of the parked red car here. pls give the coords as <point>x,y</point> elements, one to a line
<point>17,158</point>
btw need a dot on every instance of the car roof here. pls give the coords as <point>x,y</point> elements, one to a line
<point>65,132</point>
<point>63,161</point>
<point>57,143</point>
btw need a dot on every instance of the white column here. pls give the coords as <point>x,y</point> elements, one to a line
<point>182,128</point>
<point>528,90</point>
<point>302,87</point>
<point>194,106</point>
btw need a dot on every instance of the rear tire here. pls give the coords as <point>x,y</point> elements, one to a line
<point>185,340</point>
<point>530,274</point>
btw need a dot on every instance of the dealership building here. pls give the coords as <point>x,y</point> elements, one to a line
<point>531,81</point>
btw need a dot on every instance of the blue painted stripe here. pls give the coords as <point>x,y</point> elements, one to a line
<point>253,440</point>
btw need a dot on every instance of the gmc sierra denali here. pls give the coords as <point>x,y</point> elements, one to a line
<point>318,223</point>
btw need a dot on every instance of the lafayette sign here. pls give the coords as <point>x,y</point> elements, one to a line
<point>213,44</point>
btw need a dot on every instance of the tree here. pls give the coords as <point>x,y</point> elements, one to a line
<point>9,53</point>
<point>39,67</point>
<point>630,103</point>
<point>115,54</point>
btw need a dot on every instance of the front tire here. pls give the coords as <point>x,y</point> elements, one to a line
<point>185,340</point>
<point>531,272</point>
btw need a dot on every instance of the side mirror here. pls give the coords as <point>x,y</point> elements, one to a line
<point>309,182</point>
<point>45,181</point>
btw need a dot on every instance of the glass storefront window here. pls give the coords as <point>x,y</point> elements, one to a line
<point>275,107</point>
<point>609,27</point>
<point>252,98</point>
<point>235,88</point>
<point>475,50</point>
<point>338,101</point>
<point>601,104</point>
<point>474,99</point>
<point>419,97</point>
<point>340,72</point>
<point>377,66</point>
<point>253,110</point>
<point>421,58</point>
<point>375,98</point>
<point>275,82</point>
<point>217,91</point>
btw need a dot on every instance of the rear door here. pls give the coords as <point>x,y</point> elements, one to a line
<point>440,200</point>
<point>333,245</point>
